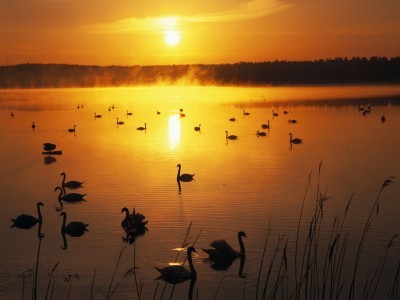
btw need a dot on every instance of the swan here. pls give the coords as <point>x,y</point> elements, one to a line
<point>261,133</point>
<point>73,228</point>
<point>274,114</point>
<point>134,219</point>
<point>233,119</point>
<point>295,140</point>
<point>265,126</point>
<point>183,177</point>
<point>72,184</point>
<point>33,125</point>
<point>120,122</point>
<point>383,119</point>
<point>128,113</point>
<point>142,128</point>
<point>245,113</point>
<point>231,137</point>
<point>158,112</point>
<point>176,273</point>
<point>12,114</point>
<point>72,129</point>
<point>71,197</point>
<point>24,221</point>
<point>96,116</point>
<point>197,128</point>
<point>292,121</point>
<point>285,112</point>
<point>223,251</point>
<point>49,147</point>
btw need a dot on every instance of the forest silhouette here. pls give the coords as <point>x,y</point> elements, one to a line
<point>357,70</point>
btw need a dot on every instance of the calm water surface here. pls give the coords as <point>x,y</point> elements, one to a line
<point>239,185</point>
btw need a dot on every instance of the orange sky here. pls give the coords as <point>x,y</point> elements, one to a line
<point>131,32</point>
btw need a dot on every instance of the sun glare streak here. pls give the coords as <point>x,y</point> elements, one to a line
<point>174,126</point>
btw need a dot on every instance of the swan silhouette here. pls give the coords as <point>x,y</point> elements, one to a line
<point>142,128</point>
<point>233,119</point>
<point>261,133</point>
<point>134,219</point>
<point>24,221</point>
<point>71,197</point>
<point>292,121</point>
<point>183,177</point>
<point>96,116</point>
<point>72,129</point>
<point>274,114</point>
<point>49,147</point>
<point>295,140</point>
<point>231,137</point>
<point>73,228</point>
<point>265,126</point>
<point>176,274</point>
<point>72,184</point>
<point>223,251</point>
<point>120,122</point>
<point>33,125</point>
<point>245,113</point>
<point>197,128</point>
<point>128,113</point>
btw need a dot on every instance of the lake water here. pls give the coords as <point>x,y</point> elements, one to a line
<point>240,185</point>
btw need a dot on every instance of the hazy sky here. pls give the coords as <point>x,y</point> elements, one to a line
<point>131,32</point>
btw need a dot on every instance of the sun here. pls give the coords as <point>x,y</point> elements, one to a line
<point>172,37</point>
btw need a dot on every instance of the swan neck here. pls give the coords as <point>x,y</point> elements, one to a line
<point>63,181</point>
<point>242,249</point>
<point>39,214</point>
<point>63,224</point>
<point>193,272</point>
<point>179,173</point>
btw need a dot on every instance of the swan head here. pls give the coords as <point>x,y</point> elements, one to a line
<point>62,174</point>
<point>125,209</point>
<point>242,233</point>
<point>178,166</point>
<point>191,249</point>
<point>40,204</point>
<point>63,214</point>
<point>58,188</point>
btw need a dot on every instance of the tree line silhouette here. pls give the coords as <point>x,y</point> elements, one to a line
<point>357,70</point>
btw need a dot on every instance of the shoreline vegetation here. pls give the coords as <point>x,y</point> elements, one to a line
<point>336,71</point>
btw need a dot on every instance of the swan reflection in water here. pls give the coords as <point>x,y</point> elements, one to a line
<point>49,160</point>
<point>222,255</point>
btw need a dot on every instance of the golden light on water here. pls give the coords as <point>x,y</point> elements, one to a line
<point>174,129</point>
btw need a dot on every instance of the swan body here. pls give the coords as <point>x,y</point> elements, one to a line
<point>49,147</point>
<point>183,177</point>
<point>245,113</point>
<point>134,219</point>
<point>232,119</point>
<point>73,228</point>
<point>292,121</point>
<point>73,184</point>
<point>72,129</point>
<point>274,114</point>
<point>120,122</point>
<point>142,128</point>
<point>33,125</point>
<point>71,197</point>
<point>197,128</point>
<point>97,116</point>
<point>176,273</point>
<point>24,221</point>
<point>295,140</point>
<point>261,133</point>
<point>223,251</point>
<point>128,113</point>
<point>231,137</point>
<point>265,126</point>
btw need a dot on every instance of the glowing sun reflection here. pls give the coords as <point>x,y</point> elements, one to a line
<point>174,123</point>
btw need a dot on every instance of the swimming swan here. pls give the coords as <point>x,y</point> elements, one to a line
<point>73,228</point>
<point>24,221</point>
<point>295,140</point>
<point>71,197</point>
<point>183,177</point>
<point>223,251</point>
<point>231,137</point>
<point>177,274</point>
<point>72,184</point>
